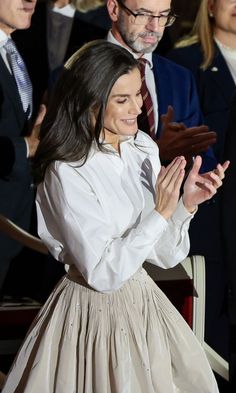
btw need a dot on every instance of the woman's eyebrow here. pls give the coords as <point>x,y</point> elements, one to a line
<point>120,95</point>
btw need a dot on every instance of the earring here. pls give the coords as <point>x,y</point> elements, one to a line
<point>211,15</point>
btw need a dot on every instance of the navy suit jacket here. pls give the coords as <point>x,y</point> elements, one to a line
<point>175,86</point>
<point>16,194</point>
<point>215,86</point>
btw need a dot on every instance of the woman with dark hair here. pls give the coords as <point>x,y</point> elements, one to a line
<point>105,205</point>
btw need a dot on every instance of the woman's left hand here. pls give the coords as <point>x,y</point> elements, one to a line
<point>201,187</point>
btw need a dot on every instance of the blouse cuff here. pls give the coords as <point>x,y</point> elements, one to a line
<point>181,214</point>
<point>153,224</point>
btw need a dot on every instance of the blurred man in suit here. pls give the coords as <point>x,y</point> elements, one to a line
<point>18,139</point>
<point>55,33</point>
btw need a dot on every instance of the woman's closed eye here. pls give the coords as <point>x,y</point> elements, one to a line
<point>121,101</point>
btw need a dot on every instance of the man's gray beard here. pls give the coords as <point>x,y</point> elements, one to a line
<point>129,40</point>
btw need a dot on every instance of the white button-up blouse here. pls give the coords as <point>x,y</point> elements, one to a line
<point>100,216</point>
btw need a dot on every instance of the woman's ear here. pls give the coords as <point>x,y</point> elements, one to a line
<point>113,9</point>
<point>210,7</point>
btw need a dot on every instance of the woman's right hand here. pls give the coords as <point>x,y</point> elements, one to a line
<point>168,187</point>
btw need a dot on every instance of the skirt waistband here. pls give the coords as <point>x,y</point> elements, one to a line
<point>75,276</point>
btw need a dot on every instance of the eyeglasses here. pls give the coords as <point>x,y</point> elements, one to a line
<point>144,19</point>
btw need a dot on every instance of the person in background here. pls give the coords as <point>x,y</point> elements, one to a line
<point>105,205</point>
<point>56,32</point>
<point>94,12</point>
<point>175,116</point>
<point>210,53</point>
<point>18,136</point>
<point>228,222</point>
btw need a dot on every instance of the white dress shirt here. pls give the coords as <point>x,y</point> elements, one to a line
<point>100,216</point>
<point>3,39</point>
<point>229,55</point>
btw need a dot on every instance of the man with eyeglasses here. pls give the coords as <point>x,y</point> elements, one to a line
<point>138,25</point>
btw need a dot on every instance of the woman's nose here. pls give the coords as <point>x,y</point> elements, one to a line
<point>136,106</point>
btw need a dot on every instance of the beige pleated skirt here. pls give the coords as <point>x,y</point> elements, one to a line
<point>130,341</point>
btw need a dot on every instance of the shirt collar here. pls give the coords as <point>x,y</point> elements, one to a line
<point>225,49</point>
<point>3,38</point>
<point>113,40</point>
<point>123,139</point>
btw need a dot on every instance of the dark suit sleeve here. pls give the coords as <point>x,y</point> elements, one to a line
<point>189,57</point>
<point>209,160</point>
<point>7,156</point>
<point>13,155</point>
<point>176,86</point>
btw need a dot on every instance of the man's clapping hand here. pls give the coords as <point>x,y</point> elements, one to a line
<point>177,140</point>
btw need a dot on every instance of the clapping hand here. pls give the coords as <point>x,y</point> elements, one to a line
<point>200,187</point>
<point>168,186</point>
<point>176,139</point>
<point>197,187</point>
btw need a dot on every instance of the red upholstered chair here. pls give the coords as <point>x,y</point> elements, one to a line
<point>184,285</point>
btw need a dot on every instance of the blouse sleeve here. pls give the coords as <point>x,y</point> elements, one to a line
<point>73,224</point>
<point>173,244</point>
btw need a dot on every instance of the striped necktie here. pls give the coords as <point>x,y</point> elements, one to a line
<point>21,76</point>
<point>146,120</point>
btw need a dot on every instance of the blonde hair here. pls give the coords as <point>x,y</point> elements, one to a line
<point>87,5</point>
<point>202,33</point>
